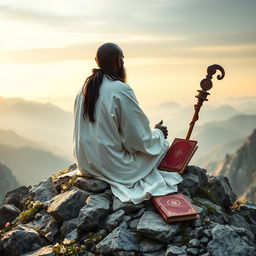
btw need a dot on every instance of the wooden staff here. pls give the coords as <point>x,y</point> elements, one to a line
<point>206,85</point>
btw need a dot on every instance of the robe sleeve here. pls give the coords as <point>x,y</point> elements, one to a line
<point>134,127</point>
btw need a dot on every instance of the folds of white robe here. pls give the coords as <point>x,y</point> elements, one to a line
<point>120,147</point>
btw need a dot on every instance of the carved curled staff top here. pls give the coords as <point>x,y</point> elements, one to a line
<point>206,85</point>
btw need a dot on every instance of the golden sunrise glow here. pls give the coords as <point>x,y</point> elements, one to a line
<point>47,51</point>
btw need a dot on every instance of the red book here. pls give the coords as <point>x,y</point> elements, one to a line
<point>178,155</point>
<point>175,207</point>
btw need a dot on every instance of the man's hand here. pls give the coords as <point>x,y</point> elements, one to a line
<point>162,128</point>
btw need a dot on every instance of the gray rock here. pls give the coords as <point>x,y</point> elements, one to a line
<point>16,196</point>
<point>113,220</point>
<point>133,224</point>
<point>251,207</point>
<point>208,204</point>
<point>207,233</point>
<point>138,214</point>
<point>200,173</point>
<point>68,226</point>
<point>238,221</point>
<point>221,190</point>
<point>149,245</point>
<point>46,223</point>
<point>124,253</point>
<point>191,182</point>
<point>204,240</point>
<point>127,207</point>
<point>226,242</point>
<point>245,233</point>
<point>8,212</point>
<point>158,253</point>
<point>206,254</point>
<point>123,224</point>
<point>120,239</point>
<point>192,251</point>
<point>89,184</point>
<point>35,247</point>
<point>67,205</point>
<point>107,194</point>
<point>43,191</point>
<point>196,223</point>
<point>153,226</point>
<point>127,218</point>
<point>20,240</point>
<point>173,250</point>
<point>73,235</point>
<point>44,251</point>
<point>93,212</point>
<point>197,232</point>
<point>193,243</point>
<point>177,239</point>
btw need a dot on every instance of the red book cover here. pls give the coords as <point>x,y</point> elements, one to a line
<point>178,155</point>
<point>175,207</point>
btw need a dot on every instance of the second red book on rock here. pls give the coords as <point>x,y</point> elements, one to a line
<point>175,207</point>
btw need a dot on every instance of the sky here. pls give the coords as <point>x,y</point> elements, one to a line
<point>47,48</point>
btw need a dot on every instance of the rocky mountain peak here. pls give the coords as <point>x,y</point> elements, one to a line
<point>240,168</point>
<point>80,216</point>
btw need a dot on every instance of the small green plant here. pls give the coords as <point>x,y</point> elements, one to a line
<point>206,192</point>
<point>94,238</point>
<point>8,226</point>
<point>67,185</point>
<point>184,240</point>
<point>211,210</point>
<point>68,248</point>
<point>33,207</point>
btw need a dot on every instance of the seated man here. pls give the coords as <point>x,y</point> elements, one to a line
<point>112,139</point>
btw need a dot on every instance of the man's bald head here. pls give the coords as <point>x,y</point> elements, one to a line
<point>109,58</point>
<point>108,55</point>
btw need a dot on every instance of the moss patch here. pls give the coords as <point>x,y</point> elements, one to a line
<point>207,193</point>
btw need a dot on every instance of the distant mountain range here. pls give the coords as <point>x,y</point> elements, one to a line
<point>216,139</point>
<point>177,117</point>
<point>44,124</point>
<point>37,137</point>
<point>240,168</point>
<point>7,181</point>
<point>30,165</point>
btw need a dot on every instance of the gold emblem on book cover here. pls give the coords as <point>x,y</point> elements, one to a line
<point>173,202</point>
<point>178,153</point>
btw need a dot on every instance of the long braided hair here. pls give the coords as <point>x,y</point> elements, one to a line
<point>91,90</point>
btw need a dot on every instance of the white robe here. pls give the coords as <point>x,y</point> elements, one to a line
<point>120,147</point>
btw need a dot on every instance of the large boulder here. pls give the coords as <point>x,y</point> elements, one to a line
<point>221,191</point>
<point>20,240</point>
<point>119,239</point>
<point>43,191</point>
<point>16,196</point>
<point>92,185</point>
<point>93,212</point>
<point>44,251</point>
<point>153,226</point>
<point>226,242</point>
<point>46,223</point>
<point>8,212</point>
<point>67,205</point>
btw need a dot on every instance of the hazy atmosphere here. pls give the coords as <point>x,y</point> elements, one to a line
<point>47,50</point>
